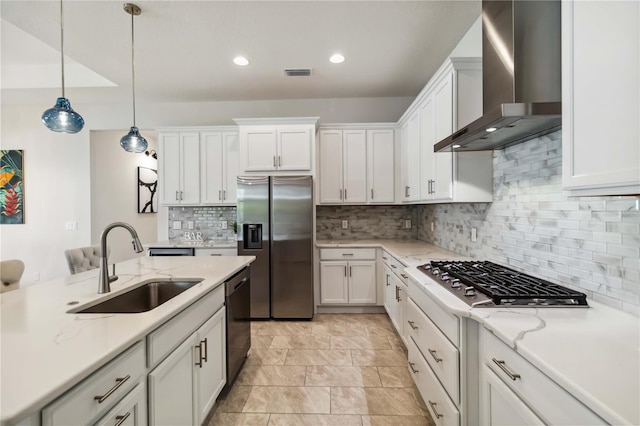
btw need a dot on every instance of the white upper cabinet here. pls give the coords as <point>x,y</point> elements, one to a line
<point>380,166</point>
<point>179,168</point>
<point>219,159</point>
<point>277,145</point>
<point>410,158</point>
<point>356,165</point>
<point>601,97</point>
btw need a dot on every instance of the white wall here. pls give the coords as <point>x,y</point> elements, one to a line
<point>59,169</point>
<point>114,192</point>
<point>470,44</point>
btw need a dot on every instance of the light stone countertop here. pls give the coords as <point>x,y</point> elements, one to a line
<point>594,353</point>
<point>193,244</point>
<point>45,351</point>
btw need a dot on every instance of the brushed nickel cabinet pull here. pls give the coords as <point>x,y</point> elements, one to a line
<point>433,354</point>
<point>341,194</point>
<point>177,195</point>
<point>503,367</point>
<point>119,382</point>
<point>345,193</point>
<point>215,254</point>
<point>433,186</point>
<point>413,325</point>
<point>219,195</point>
<point>406,191</point>
<point>224,195</point>
<point>384,258</point>
<point>345,271</point>
<point>387,280</point>
<point>349,270</point>
<point>347,254</point>
<point>411,364</point>
<point>398,294</point>
<point>199,361</point>
<point>274,161</point>
<point>404,276</point>
<point>181,195</point>
<point>122,419</point>
<point>435,411</point>
<point>372,193</point>
<point>279,161</point>
<point>394,266</point>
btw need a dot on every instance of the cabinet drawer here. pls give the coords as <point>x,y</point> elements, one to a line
<point>395,265</point>
<point>448,324</point>
<point>442,409</point>
<point>217,252</point>
<point>79,406</point>
<point>131,410</point>
<point>347,254</point>
<point>167,337</point>
<point>441,355</point>
<point>550,402</point>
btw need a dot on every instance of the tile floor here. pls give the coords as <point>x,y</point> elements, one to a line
<point>339,369</point>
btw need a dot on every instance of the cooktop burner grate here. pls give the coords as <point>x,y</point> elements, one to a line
<point>506,286</point>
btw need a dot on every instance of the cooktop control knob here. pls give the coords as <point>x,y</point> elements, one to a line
<point>427,267</point>
<point>455,283</point>
<point>469,291</point>
<point>435,271</point>
<point>444,276</point>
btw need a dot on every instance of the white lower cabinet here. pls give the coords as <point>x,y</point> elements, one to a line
<point>348,282</point>
<point>395,293</point>
<point>183,387</point>
<point>514,391</point>
<point>130,411</point>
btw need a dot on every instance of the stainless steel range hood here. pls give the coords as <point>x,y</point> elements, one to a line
<point>521,76</point>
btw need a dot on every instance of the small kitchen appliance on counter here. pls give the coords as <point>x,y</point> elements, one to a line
<point>487,284</point>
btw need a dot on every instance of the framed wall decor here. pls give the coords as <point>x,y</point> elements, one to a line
<point>12,186</point>
<point>147,187</point>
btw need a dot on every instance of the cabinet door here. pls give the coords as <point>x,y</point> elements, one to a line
<point>260,149</point>
<point>169,168</point>
<point>331,190</point>
<point>601,97</point>
<point>442,188</point>
<point>354,145</point>
<point>333,282</point>
<point>212,150</point>
<point>190,168</point>
<point>404,162</point>
<point>413,192</point>
<point>428,139</point>
<point>172,389</point>
<point>294,149</point>
<point>231,166</point>
<point>212,372</point>
<point>362,282</point>
<point>380,166</point>
<point>500,406</point>
<point>130,411</point>
<point>389,293</point>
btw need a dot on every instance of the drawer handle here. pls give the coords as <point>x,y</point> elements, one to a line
<point>122,419</point>
<point>206,349</point>
<point>404,276</point>
<point>388,280</point>
<point>119,382</point>
<point>398,294</point>
<point>503,367</point>
<point>347,254</point>
<point>433,354</point>
<point>394,266</point>
<point>435,411</point>
<point>411,364</point>
<point>384,258</point>
<point>215,254</point>
<point>412,324</point>
<point>199,361</point>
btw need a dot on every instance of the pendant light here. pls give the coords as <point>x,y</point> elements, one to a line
<point>133,141</point>
<point>61,117</point>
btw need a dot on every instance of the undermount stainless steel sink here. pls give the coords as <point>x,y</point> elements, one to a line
<point>146,296</point>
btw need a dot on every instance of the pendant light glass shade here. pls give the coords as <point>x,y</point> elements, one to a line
<point>61,117</point>
<point>133,141</point>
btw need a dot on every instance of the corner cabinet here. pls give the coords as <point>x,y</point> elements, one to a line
<point>601,97</point>
<point>220,163</point>
<point>277,145</point>
<point>179,168</point>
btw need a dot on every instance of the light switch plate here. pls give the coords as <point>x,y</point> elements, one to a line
<point>432,227</point>
<point>345,224</point>
<point>407,223</point>
<point>225,225</point>
<point>177,224</point>
<point>474,235</point>
<point>71,226</point>
<point>190,224</point>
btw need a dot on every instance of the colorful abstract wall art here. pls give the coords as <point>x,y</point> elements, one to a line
<point>12,186</point>
<point>147,186</point>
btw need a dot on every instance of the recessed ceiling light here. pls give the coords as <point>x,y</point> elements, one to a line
<point>456,146</point>
<point>337,59</point>
<point>241,60</point>
<point>491,129</point>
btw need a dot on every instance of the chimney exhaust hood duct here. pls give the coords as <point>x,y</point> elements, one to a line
<point>521,76</point>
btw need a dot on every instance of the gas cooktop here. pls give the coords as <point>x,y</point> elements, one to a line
<point>487,284</point>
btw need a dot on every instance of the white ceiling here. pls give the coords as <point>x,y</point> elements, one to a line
<point>184,49</point>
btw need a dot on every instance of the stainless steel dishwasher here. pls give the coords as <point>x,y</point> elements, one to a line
<point>238,304</point>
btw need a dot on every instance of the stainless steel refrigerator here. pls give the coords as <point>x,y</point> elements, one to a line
<point>275,224</point>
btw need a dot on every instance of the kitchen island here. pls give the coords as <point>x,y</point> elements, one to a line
<point>46,351</point>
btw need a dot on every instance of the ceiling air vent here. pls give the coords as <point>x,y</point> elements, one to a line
<point>298,72</point>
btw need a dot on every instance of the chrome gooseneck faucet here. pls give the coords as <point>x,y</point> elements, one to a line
<point>105,280</point>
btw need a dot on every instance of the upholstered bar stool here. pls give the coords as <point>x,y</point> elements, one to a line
<point>10,273</point>
<point>83,259</point>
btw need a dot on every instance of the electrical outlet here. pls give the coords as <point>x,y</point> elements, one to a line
<point>71,226</point>
<point>345,224</point>
<point>225,224</point>
<point>177,224</point>
<point>190,224</point>
<point>407,223</point>
<point>432,227</point>
<point>474,235</point>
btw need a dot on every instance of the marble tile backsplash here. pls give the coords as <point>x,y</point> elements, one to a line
<point>209,221</point>
<point>589,243</point>
<point>365,222</point>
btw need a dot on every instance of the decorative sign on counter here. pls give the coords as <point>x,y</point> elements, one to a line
<point>193,236</point>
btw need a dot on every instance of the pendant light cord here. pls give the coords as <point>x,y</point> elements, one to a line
<point>133,73</point>
<point>62,45</point>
